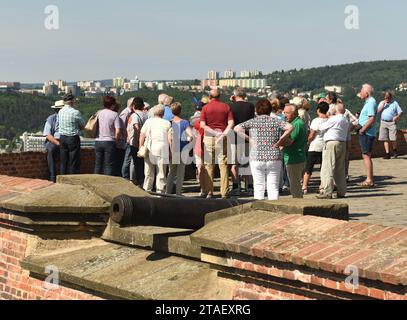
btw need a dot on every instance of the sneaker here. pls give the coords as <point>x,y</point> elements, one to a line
<point>387,157</point>
<point>202,195</point>
<point>395,154</point>
<point>209,196</point>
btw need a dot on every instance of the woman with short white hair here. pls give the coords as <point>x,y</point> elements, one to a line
<point>155,137</point>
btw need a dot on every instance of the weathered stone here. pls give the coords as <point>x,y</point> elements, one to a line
<point>306,207</point>
<point>106,187</point>
<point>165,240</point>
<point>216,234</point>
<point>229,212</point>
<point>56,199</point>
<point>127,273</point>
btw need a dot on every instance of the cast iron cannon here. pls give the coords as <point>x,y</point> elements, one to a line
<point>166,212</point>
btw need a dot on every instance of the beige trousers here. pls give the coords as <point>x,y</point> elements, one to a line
<point>333,168</point>
<point>176,172</point>
<point>295,174</point>
<point>152,168</point>
<point>216,154</point>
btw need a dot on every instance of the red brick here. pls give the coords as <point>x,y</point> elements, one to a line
<point>298,258</point>
<point>393,296</point>
<point>330,284</point>
<point>313,260</point>
<point>383,235</point>
<point>353,259</point>
<point>377,294</point>
<point>317,281</point>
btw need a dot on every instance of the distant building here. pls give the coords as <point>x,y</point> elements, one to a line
<point>229,74</point>
<point>209,83</point>
<point>244,83</point>
<point>7,86</point>
<point>336,89</point>
<point>74,89</point>
<point>86,85</point>
<point>250,74</point>
<point>51,90</point>
<point>213,75</point>
<point>161,86</point>
<point>59,83</point>
<point>119,82</point>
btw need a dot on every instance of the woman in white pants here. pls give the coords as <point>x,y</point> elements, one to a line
<point>155,136</point>
<point>267,135</point>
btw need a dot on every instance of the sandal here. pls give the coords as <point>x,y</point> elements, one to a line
<point>366,184</point>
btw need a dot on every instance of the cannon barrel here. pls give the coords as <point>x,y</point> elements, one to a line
<point>166,212</point>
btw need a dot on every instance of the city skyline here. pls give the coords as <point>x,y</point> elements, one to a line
<point>182,40</point>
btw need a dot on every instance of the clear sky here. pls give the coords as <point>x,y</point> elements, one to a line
<point>183,39</point>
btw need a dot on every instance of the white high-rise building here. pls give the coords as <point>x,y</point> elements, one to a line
<point>213,75</point>
<point>229,74</point>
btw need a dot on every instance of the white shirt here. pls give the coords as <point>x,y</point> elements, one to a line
<point>157,130</point>
<point>335,129</point>
<point>317,145</point>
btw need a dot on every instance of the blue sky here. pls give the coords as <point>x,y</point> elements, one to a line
<point>181,39</point>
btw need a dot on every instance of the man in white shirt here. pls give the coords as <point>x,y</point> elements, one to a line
<point>316,144</point>
<point>334,155</point>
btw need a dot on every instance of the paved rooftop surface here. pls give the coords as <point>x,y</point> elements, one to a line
<point>386,204</point>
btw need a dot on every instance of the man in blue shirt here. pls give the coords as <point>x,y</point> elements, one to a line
<point>390,114</point>
<point>52,143</point>
<point>367,134</point>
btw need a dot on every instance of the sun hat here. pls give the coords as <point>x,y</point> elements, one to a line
<point>59,104</point>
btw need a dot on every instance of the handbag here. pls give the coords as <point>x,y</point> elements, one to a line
<point>91,127</point>
<point>143,151</point>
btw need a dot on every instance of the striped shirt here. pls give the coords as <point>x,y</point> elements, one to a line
<point>70,122</point>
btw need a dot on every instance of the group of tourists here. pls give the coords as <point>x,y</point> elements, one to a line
<point>270,147</point>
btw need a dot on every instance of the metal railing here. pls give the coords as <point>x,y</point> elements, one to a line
<point>33,142</point>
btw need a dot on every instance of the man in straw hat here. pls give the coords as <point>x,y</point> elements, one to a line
<point>52,143</point>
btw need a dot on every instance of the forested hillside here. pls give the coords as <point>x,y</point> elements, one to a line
<point>23,112</point>
<point>383,75</point>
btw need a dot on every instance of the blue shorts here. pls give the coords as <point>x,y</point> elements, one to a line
<point>367,144</point>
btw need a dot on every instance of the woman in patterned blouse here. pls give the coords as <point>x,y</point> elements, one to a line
<point>266,135</point>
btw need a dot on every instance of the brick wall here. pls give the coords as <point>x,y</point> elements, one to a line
<point>16,283</point>
<point>378,150</point>
<point>34,164</point>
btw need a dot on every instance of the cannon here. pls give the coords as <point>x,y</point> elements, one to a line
<point>182,213</point>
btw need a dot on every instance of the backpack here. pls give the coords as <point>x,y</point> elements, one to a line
<point>91,127</point>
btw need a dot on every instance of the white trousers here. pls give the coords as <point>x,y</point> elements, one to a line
<point>266,175</point>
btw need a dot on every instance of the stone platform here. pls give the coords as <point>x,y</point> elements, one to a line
<point>287,250</point>
<point>385,204</point>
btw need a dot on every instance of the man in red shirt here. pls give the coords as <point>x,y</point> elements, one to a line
<point>217,122</point>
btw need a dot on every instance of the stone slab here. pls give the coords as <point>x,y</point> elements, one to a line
<point>106,187</point>
<point>126,273</point>
<point>56,199</point>
<point>165,240</point>
<point>217,233</point>
<point>318,208</point>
